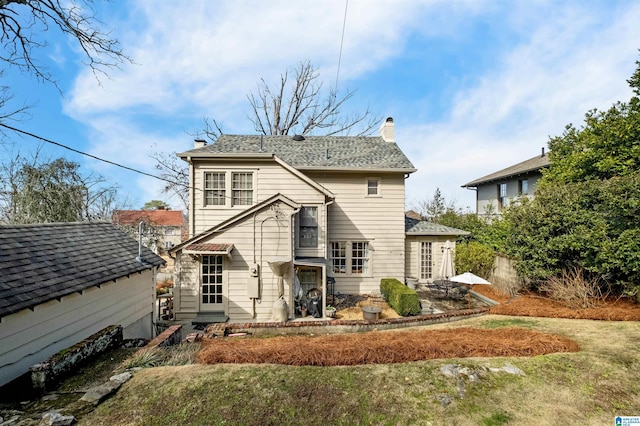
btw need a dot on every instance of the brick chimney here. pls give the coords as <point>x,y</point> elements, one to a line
<point>387,130</point>
<point>199,143</point>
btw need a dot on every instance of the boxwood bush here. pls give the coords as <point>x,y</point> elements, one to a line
<point>400,297</point>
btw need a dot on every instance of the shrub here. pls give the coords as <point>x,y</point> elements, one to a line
<point>400,297</point>
<point>574,290</point>
<point>475,257</point>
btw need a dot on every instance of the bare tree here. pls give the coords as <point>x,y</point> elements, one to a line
<point>296,105</point>
<point>22,20</point>
<point>302,106</point>
<point>35,191</point>
<point>175,174</point>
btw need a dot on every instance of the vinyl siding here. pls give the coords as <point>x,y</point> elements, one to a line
<point>487,194</point>
<point>412,259</point>
<point>354,216</point>
<point>269,179</point>
<point>29,337</point>
<point>273,240</point>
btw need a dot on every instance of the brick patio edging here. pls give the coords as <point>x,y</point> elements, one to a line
<point>336,326</point>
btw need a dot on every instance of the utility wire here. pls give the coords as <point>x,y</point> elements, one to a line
<point>344,24</point>
<point>6,126</point>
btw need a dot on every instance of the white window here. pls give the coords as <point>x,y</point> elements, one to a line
<point>212,279</point>
<point>426,260</point>
<point>373,187</point>
<point>502,196</point>
<point>523,186</point>
<point>219,184</point>
<point>350,257</point>
<point>242,188</point>
<point>308,227</point>
<point>339,257</point>
<point>214,189</point>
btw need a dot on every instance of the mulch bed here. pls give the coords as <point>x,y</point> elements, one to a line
<point>384,347</point>
<point>532,305</point>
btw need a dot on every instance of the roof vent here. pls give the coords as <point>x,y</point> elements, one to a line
<point>298,138</point>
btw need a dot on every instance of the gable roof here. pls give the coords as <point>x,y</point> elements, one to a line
<point>531,165</point>
<point>39,263</point>
<point>224,224</point>
<point>158,217</point>
<point>366,153</point>
<point>422,227</point>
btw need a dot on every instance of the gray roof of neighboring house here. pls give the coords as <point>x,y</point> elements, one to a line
<point>531,165</point>
<point>39,263</point>
<point>422,227</point>
<point>315,152</point>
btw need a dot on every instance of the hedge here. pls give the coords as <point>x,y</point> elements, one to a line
<point>400,297</point>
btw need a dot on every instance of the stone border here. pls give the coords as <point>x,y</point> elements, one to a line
<point>336,326</point>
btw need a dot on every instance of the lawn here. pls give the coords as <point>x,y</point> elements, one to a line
<point>588,387</point>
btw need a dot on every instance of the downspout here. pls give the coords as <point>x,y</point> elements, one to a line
<point>192,199</point>
<point>326,254</point>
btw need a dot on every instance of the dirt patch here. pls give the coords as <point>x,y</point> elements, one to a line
<point>385,347</point>
<point>349,306</point>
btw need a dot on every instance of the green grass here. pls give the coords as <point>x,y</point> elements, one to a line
<point>590,387</point>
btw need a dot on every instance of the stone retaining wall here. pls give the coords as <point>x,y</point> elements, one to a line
<point>49,372</point>
<point>336,326</point>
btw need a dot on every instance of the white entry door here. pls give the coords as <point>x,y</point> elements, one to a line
<point>212,283</point>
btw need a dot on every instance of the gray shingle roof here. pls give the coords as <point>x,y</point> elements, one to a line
<point>39,263</point>
<point>531,165</point>
<point>422,227</point>
<point>338,152</point>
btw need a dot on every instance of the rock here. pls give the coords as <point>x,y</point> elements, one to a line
<point>449,370</point>
<point>121,378</point>
<point>508,368</point>
<point>444,399</point>
<point>53,418</point>
<point>12,420</point>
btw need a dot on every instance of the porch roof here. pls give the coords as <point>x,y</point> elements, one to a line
<point>209,248</point>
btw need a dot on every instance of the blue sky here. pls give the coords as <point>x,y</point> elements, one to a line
<point>473,86</point>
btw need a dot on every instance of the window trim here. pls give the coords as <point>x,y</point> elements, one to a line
<point>378,181</point>
<point>228,191</point>
<point>349,259</point>
<point>300,226</point>
<point>502,199</point>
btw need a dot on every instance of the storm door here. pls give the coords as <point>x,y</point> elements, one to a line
<point>212,286</point>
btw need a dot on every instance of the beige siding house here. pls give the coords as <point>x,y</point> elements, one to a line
<point>327,210</point>
<point>61,283</point>
<point>495,191</point>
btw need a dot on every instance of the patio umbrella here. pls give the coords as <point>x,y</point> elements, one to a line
<point>446,267</point>
<point>469,278</point>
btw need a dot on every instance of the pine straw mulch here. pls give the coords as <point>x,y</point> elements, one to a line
<point>533,305</point>
<point>384,347</point>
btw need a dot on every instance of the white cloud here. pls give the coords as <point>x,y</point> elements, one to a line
<point>200,58</point>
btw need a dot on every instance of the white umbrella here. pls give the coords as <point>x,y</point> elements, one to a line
<point>446,267</point>
<point>469,278</point>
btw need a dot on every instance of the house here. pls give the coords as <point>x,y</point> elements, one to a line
<point>62,282</point>
<point>295,217</point>
<point>162,229</point>
<point>496,190</point>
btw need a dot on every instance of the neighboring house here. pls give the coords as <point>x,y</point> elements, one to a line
<point>162,229</point>
<point>495,191</point>
<point>62,282</point>
<point>331,205</point>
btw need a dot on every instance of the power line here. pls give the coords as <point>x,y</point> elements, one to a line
<point>344,24</point>
<point>85,153</point>
<point>6,126</point>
